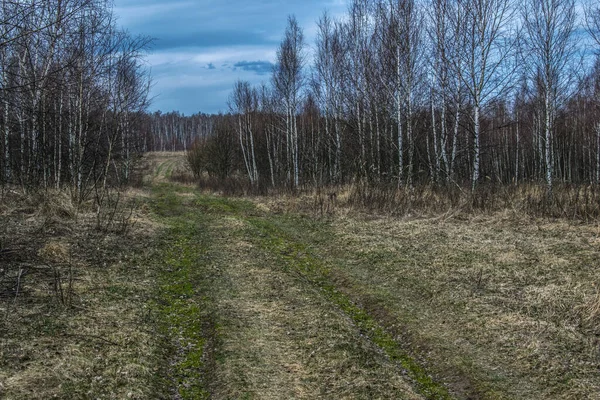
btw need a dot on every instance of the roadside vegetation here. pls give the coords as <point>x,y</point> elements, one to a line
<point>494,305</point>
<point>492,295</point>
<point>74,301</point>
<point>208,296</point>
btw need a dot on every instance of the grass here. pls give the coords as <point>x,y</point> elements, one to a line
<point>289,297</point>
<point>283,337</point>
<point>493,308</point>
<point>297,256</point>
<point>498,303</point>
<point>268,338</point>
<point>75,321</point>
<point>495,304</point>
<point>183,299</point>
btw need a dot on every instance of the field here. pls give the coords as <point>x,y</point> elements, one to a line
<point>205,296</point>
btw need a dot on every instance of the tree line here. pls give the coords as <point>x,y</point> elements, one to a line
<point>452,92</point>
<point>73,94</point>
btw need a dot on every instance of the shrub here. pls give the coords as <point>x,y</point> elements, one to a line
<point>216,154</point>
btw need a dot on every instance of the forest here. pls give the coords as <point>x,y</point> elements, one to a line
<point>74,87</point>
<point>445,93</point>
<point>448,93</point>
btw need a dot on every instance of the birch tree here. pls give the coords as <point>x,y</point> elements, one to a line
<point>484,31</point>
<point>592,19</point>
<point>551,49</point>
<point>288,81</point>
<point>245,104</point>
<point>327,79</point>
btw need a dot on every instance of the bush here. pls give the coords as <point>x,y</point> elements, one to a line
<point>195,158</point>
<point>214,155</point>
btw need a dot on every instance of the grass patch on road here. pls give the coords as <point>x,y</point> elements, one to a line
<point>184,297</point>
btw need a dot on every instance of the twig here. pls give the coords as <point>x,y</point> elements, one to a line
<point>81,335</point>
<point>21,271</point>
<point>7,251</point>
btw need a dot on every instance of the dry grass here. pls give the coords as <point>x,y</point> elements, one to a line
<point>275,335</point>
<point>55,252</point>
<point>570,202</point>
<point>494,292</point>
<point>160,167</point>
<point>73,316</point>
<point>590,309</point>
<point>500,308</point>
<point>281,338</point>
<point>496,299</point>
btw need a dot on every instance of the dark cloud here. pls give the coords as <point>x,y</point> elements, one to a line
<point>201,47</point>
<point>207,39</point>
<point>258,67</point>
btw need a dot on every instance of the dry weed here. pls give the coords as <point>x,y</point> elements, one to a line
<point>591,309</point>
<point>55,251</point>
<point>506,301</point>
<point>93,341</point>
<point>55,203</point>
<point>282,338</point>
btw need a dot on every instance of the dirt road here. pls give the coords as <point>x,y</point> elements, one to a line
<point>268,325</point>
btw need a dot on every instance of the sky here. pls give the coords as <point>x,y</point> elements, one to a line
<point>202,47</point>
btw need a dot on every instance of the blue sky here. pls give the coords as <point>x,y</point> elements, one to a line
<point>203,47</point>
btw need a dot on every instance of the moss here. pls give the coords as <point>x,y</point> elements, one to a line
<point>222,205</point>
<point>182,302</point>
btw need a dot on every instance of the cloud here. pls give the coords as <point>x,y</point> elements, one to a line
<point>202,38</point>
<point>190,84</point>
<point>203,47</point>
<point>201,56</point>
<point>131,13</point>
<point>259,67</point>
<point>191,100</point>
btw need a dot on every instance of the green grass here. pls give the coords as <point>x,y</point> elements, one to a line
<point>183,298</point>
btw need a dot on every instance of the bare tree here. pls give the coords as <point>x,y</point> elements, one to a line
<point>326,82</point>
<point>444,27</point>
<point>288,81</point>
<point>369,116</point>
<point>407,27</point>
<point>244,103</point>
<point>592,19</point>
<point>483,29</point>
<point>71,84</point>
<point>551,50</point>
